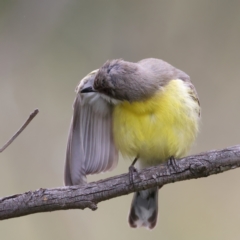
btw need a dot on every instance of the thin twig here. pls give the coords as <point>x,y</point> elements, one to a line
<point>89,195</point>
<point>30,118</point>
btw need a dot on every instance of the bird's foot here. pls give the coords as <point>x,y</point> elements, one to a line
<point>173,163</point>
<point>132,170</point>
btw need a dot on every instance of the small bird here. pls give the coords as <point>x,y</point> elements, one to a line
<point>148,111</point>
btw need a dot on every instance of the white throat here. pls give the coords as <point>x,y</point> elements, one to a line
<point>109,99</point>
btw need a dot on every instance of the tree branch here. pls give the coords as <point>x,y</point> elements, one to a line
<point>80,197</point>
<point>30,118</point>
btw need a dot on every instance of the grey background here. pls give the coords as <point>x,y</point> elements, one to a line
<point>46,47</point>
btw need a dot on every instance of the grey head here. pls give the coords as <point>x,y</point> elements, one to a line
<point>122,80</point>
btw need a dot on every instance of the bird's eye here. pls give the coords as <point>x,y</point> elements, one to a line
<point>109,91</point>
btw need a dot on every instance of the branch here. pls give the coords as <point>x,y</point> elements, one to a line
<point>30,118</point>
<point>87,196</point>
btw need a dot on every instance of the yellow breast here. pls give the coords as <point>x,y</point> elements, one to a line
<point>157,128</point>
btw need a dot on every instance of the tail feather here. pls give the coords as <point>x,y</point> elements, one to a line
<point>144,209</point>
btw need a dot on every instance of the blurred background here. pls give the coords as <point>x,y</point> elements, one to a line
<point>46,47</point>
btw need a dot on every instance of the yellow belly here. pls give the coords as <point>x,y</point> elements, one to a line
<point>157,128</point>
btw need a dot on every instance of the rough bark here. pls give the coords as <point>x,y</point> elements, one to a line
<point>87,196</point>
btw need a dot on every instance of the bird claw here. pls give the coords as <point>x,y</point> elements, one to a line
<point>172,163</point>
<point>132,170</point>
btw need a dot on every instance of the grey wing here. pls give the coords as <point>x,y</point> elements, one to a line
<point>194,96</point>
<point>191,90</point>
<point>90,147</point>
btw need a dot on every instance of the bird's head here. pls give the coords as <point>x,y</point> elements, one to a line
<point>123,81</point>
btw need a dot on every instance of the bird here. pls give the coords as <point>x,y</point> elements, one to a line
<point>148,111</point>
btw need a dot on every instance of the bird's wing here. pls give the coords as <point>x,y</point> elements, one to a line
<point>90,147</point>
<point>193,93</point>
<point>166,72</point>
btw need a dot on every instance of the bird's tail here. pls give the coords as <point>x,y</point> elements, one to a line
<point>144,209</point>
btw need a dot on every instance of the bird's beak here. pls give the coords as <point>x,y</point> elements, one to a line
<point>87,90</point>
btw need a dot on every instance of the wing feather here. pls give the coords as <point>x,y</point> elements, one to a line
<point>90,147</point>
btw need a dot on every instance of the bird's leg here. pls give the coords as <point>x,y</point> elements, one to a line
<point>172,162</point>
<point>132,170</point>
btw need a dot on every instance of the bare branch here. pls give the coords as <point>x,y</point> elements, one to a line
<point>30,118</point>
<point>80,197</point>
